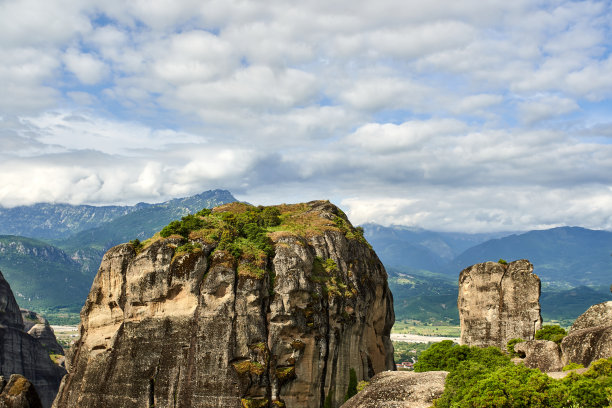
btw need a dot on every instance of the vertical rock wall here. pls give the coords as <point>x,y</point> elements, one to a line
<point>498,302</point>
<point>203,330</point>
<point>22,354</point>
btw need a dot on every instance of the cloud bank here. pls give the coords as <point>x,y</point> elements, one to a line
<point>468,116</point>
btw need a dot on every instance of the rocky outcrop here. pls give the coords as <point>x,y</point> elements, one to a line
<point>45,335</point>
<point>22,354</point>
<point>30,319</point>
<point>38,327</point>
<point>18,393</point>
<point>400,389</point>
<point>590,337</point>
<point>596,315</point>
<point>226,324</point>
<point>541,354</point>
<point>498,302</point>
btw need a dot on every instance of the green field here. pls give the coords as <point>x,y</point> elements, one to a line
<point>425,329</point>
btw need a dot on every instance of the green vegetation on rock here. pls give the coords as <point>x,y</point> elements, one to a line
<point>352,385</point>
<point>487,378</point>
<point>552,333</point>
<point>510,347</point>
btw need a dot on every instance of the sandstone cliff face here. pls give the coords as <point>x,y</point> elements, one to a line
<point>22,354</point>
<point>228,326</point>
<point>590,337</point>
<point>498,302</point>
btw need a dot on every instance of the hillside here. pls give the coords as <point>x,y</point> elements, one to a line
<point>418,248</point>
<point>563,257</point>
<point>41,275</point>
<point>88,247</point>
<point>57,221</point>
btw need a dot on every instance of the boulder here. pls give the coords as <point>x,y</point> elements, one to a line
<point>18,393</point>
<point>587,345</point>
<point>222,327</point>
<point>590,337</point>
<point>45,335</point>
<point>541,354</point>
<point>400,389</point>
<point>22,354</point>
<point>498,302</point>
<point>30,319</point>
<point>596,315</point>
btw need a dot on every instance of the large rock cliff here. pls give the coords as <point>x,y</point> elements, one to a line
<point>22,354</point>
<point>246,306</point>
<point>498,302</point>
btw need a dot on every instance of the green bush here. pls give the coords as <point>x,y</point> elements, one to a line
<point>502,261</point>
<point>352,385</point>
<point>447,356</point>
<point>510,347</point>
<point>572,366</point>
<point>483,381</point>
<point>554,333</point>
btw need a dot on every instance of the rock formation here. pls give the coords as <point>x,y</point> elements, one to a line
<point>22,354</point>
<point>38,327</point>
<point>18,393</point>
<point>400,389</point>
<point>246,306</point>
<point>498,302</point>
<point>590,337</point>
<point>541,354</point>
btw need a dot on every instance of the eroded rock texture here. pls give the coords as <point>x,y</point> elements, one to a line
<point>22,354</point>
<point>541,354</point>
<point>204,329</point>
<point>400,389</point>
<point>498,302</point>
<point>590,337</point>
<point>18,393</point>
<point>38,327</point>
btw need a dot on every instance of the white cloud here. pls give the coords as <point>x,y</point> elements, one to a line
<point>442,113</point>
<point>544,107</point>
<point>88,68</point>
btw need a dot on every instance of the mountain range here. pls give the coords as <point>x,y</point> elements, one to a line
<point>50,253</point>
<point>54,250</point>
<point>574,265</point>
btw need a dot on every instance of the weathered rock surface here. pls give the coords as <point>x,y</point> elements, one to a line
<point>204,329</point>
<point>38,327</point>
<point>541,354</point>
<point>22,354</point>
<point>30,319</point>
<point>596,315</point>
<point>18,393</point>
<point>498,302</point>
<point>590,337</point>
<point>400,389</point>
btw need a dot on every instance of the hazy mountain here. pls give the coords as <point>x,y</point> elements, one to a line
<point>47,278</point>
<point>88,247</point>
<point>56,221</point>
<point>419,248</point>
<point>424,267</point>
<point>563,257</point>
<point>41,275</point>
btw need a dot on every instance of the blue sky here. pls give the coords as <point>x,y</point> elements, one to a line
<point>457,116</point>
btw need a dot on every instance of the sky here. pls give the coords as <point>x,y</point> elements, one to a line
<point>471,116</point>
